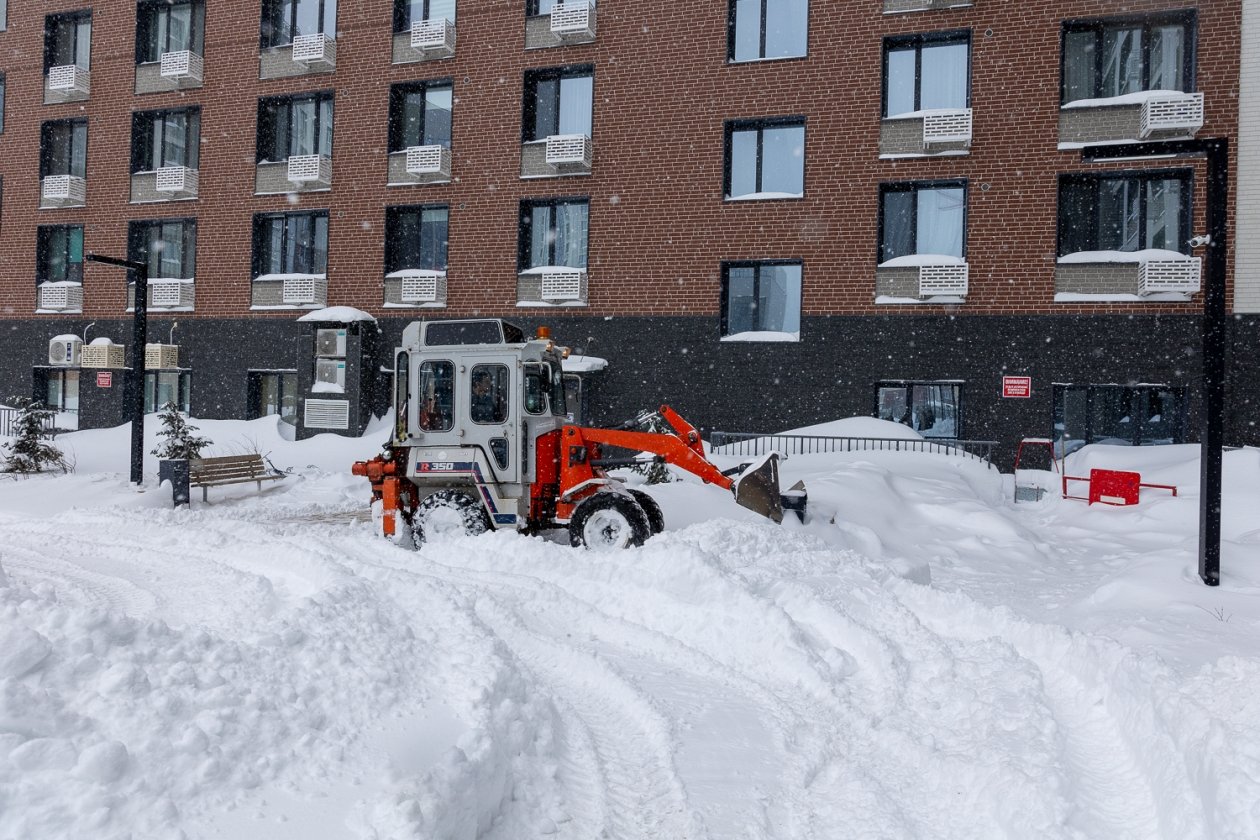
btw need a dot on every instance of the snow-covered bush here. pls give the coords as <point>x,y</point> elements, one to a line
<point>180,442</point>
<point>30,452</point>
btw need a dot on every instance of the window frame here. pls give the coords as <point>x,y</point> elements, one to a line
<point>398,94</point>
<point>403,19</point>
<point>148,10</point>
<point>529,96</point>
<point>2,92</point>
<point>730,127</point>
<point>525,230</point>
<point>909,385</point>
<point>914,187</point>
<point>140,239</point>
<point>43,247</point>
<point>732,19</point>
<point>143,151</point>
<point>1177,424</point>
<point>268,31</point>
<point>259,260</point>
<point>53,22</point>
<point>1096,179</point>
<point>1188,18</point>
<point>46,143</point>
<point>254,392</point>
<point>893,43</point>
<point>724,302</point>
<point>392,249</point>
<point>265,129</point>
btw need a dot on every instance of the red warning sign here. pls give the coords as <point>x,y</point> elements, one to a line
<point>1017,387</point>
<point>104,379</point>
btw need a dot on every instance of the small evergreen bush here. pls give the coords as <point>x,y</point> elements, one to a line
<point>180,442</point>
<point>30,451</point>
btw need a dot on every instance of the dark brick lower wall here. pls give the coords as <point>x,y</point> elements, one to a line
<point>766,387</point>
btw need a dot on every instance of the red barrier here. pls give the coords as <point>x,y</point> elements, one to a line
<point>1113,487</point>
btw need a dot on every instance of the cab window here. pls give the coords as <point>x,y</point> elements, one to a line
<point>556,377</point>
<point>488,401</point>
<point>401,394</point>
<point>536,384</point>
<point>437,396</point>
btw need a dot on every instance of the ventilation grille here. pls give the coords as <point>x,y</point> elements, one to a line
<point>182,64</point>
<point>943,280</point>
<point>176,179</point>
<point>314,49</point>
<point>305,290</point>
<point>433,34</point>
<point>947,127</point>
<point>426,160</point>
<point>569,149</point>
<point>69,77</point>
<point>1169,276</point>
<point>1172,113</point>
<point>303,169</point>
<point>65,188</point>
<point>563,285</point>
<point>326,414</point>
<point>571,19</point>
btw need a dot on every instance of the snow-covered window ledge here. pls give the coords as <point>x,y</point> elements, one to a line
<point>934,132</point>
<point>762,335</point>
<point>415,287</point>
<point>289,291</point>
<point>1152,274</point>
<point>551,286</point>
<point>922,278</point>
<point>1131,118</point>
<point>765,196</point>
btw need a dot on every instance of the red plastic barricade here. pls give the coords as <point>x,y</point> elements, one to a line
<point>1113,487</point>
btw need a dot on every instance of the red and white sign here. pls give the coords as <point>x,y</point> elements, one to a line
<point>104,379</point>
<point>1017,387</point>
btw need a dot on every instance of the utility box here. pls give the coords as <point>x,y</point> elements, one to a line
<point>103,353</point>
<point>161,356</point>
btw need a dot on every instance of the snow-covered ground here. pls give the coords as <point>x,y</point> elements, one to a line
<point>923,659</point>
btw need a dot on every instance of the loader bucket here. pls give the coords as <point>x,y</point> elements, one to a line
<point>757,488</point>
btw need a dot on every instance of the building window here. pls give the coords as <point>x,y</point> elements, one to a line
<point>760,29</point>
<point>62,393</point>
<point>290,243</point>
<point>284,20</point>
<point>420,115</point>
<point>59,254</point>
<point>922,219</point>
<point>407,12</point>
<point>553,233</point>
<point>1108,58</point>
<point>63,148</point>
<point>1125,212</point>
<point>933,409</point>
<point>4,15</point>
<point>273,392</point>
<point>761,297</point>
<point>163,27</point>
<point>295,125</point>
<point>415,238</point>
<point>1,103</point>
<point>167,386</point>
<point>68,40</point>
<point>1142,415</point>
<point>165,138</point>
<point>927,72</point>
<point>765,158</point>
<point>169,246</point>
<point>558,102</point>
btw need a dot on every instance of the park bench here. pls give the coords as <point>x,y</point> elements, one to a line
<point>229,469</point>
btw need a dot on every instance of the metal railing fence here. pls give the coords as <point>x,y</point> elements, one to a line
<point>752,444</point>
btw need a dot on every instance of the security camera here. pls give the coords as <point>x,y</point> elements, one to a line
<point>1200,241</point>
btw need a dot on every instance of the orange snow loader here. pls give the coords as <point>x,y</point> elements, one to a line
<point>484,439</point>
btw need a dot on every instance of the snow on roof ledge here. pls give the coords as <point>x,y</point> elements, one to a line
<point>65,337</point>
<point>340,314</point>
<point>1146,255</point>
<point>101,340</point>
<point>912,260</point>
<point>583,364</point>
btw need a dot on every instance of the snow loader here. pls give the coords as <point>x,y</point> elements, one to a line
<point>483,440</point>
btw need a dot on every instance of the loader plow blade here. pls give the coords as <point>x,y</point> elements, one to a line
<point>757,488</point>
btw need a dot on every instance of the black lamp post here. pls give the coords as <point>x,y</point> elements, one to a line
<point>1212,439</point>
<point>138,273</point>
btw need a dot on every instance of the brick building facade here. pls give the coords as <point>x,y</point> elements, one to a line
<point>768,214</point>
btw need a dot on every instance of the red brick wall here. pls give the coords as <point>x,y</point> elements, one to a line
<point>659,228</point>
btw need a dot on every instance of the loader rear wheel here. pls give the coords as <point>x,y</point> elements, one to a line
<point>448,513</point>
<point>609,521</point>
<point>656,518</point>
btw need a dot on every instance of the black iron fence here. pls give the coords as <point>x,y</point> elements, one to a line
<point>751,444</point>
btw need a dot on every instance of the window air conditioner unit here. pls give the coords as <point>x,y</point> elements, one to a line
<point>65,350</point>
<point>1174,112</point>
<point>571,19</point>
<point>304,290</point>
<point>176,179</point>
<point>303,169</point>
<point>331,372</point>
<point>562,285</point>
<point>433,34</point>
<point>427,160</point>
<point>103,353</point>
<point>64,188</point>
<point>943,280</point>
<point>60,296</point>
<point>569,149</point>
<point>317,48</point>
<point>181,65</point>
<point>423,287</point>
<point>326,414</point>
<point>69,78</point>
<point>1169,276</point>
<point>940,127</point>
<point>330,342</point>
<point>161,356</point>
<point>166,293</point>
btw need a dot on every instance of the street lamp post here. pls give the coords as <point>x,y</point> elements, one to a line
<point>1215,321</point>
<point>138,273</point>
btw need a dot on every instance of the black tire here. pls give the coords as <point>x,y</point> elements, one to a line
<point>656,518</point>
<point>609,521</point>
<point>448,512</point>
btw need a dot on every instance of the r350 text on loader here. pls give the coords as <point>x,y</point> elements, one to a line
<point>483,440</point>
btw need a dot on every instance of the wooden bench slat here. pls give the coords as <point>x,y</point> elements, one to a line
<point>228,469</point>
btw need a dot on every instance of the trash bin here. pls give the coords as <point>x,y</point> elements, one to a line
<point>176,472</point>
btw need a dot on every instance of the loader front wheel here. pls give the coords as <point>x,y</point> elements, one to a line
<point>609,521</point>
<point>448,513</point>
<point>656,518</point>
